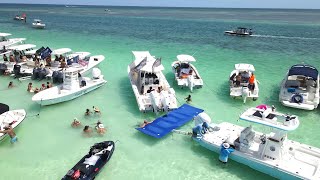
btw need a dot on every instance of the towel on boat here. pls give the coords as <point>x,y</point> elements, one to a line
<point>91,160</point>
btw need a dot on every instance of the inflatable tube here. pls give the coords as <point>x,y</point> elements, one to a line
<point>297,98</point>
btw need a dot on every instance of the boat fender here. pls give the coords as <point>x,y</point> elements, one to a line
<point>297,98</point>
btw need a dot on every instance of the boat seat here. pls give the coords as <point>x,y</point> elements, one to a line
<point>292,83</point>
<point>247,136</point>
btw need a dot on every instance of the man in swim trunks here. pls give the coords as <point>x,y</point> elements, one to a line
<point>11,133</point>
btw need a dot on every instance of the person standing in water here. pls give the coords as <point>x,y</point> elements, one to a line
<point>224,152</point>
<point>188,99</point>
<point>11,133</point>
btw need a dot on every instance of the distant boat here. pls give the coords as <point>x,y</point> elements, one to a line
<point>240,31</point>
<point>37,24</point>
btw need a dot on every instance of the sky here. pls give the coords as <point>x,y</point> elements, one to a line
<point>290,4</point>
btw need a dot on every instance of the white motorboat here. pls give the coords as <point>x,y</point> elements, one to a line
<point>38,24</point>
<point>13,118</point>
<point>151,88</point>
<point>271,153</point>
<point>240,31</point>
<point>71,88</point>
<point>300,87</point>
<point>5,43</point>
<point>185,73</point>
<point>240,85</point>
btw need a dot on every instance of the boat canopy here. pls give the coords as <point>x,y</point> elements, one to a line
<point>38,20</point>
<point>305,70</point>
<point>174,119</point>
<point>80,54</point>
<point>61,51</point>
<point>22,47</point>
<point>5,34</point>
<point>244,67</point>
<point>149,63</point>
<point>185,58</point>
<point>3,108</point>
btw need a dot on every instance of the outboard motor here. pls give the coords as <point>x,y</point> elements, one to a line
<point>35,74</point>
<point>42,73</point>
<point>16,70</point>
<point>3,68</point>
<point>55,76</point>
<point>96,73</point>
<point>245,93</point>
<point>60,77</point>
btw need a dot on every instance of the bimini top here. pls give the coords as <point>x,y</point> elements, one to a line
<point>81,55</point>
<point>5,34</point>
<point>145,62</point>
<point>244,67</point>
<point>3,108</point>
<point>174,119</point>
<point>305,70</point>
<point>61,51</point>
<point>185,58</point>
<point>22,47</point>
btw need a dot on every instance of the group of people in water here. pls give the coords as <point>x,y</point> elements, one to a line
<point>36,90</point>
<point>87,130</point>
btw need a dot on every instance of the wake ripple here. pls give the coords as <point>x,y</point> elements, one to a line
<point>285,37</point>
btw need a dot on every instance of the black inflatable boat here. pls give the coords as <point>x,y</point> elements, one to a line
<point>91,164</point>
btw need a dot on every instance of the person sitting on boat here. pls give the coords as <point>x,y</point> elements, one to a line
<point>273,108</point>
<point>145,122</point>
<point>88,112</point>
<point>96,110</point>
<point>11,58</point>
<point>245,76</point>
<point>197,131</point>
<point>76,122</point>
<point>100,128</point>
<point>61,58</point>
<point>11,133</point>
<point>251,85</point>
<point>63,64</point>
<point>10,84</point>
<point>5,58</point>
<point>48,61</point>
<point>160,89</point>
<point>231,79</point>
<point>224,152</point>
<point>56,58</point>
<point>205,127</point>
<point>238,79</point>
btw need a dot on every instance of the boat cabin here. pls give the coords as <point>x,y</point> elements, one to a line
<point>38,21</point>
<point>183,68</point>
<point>241,30</point>
<point>302,77</point>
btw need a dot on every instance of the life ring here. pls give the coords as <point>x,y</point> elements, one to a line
<point>297,98</point>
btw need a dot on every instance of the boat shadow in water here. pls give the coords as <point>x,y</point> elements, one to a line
<point>232,167</point>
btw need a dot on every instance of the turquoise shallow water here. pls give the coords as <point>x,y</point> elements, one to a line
<point>48,147</point>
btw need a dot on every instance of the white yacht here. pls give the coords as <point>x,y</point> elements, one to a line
<point>240,31</point>
<point>5,42</point>
<point>239,82</point>
<point>151,88</point>
<point>300,87</point>
<point>185,73</point>
<point>38,24</point>
<point>13,118</point>
<point>273,153</point>
<point>73,86</point>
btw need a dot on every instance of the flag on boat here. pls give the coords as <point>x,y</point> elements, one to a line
<point>141,64</point>
<point>45,53</point>
<point>75,59</point>
<point>82,62</point>
<point>23,15</point>
<point>156,63</point>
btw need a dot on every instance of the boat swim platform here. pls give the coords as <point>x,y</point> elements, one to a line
<point>174,119</point>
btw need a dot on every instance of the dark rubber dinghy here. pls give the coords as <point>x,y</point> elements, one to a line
<point>91,164</point>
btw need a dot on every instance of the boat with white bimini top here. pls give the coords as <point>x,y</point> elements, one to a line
<point>300,87</point>
<point>5,42</point>
<point>7,118</point>
<point>72,87</point>
<point>243,82</point>
<point>151,88</point>
<point>240,31</point>
<point>273,153</point>
<point>185,73</point>
<point>38,24</point>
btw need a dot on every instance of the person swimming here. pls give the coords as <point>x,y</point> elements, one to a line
<point>96,110</point>
<point>145,122</point>
<point>87,129</point>
<point>88,112</point>
<point>11,133</point>
<point>188,99</point>
<point>100,128</point>
<point>75,123</point>
<point>10,84</point>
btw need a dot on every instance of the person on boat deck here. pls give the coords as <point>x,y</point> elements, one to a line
<point>88,112</point>
<point>63,63</point>
<point>61,58</point>
<point>48,61</point>
<point>188,99</point>
<point>159,89</point>
<point>100,128</point>
<point>56,58</point>
<point>87,129</point>
<point>11,133</point>
<point>224,152</point>
<point>5,58</point>
<point>231,79</point>
<point>245,76</point>
<point>149,90</point>
<point>10,85</point>
<point>75,123</point>
<point>11,58</point>
<point>273,108</point>
<point>145,122</point>
<point>29,89</point>
<point>238,79</point>
<point>43,87</point>
<point>251,85</point>
<point>96,110</point>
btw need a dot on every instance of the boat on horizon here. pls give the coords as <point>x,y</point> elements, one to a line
<point>300,87</point>
<point>240,31</point>
<point>92,163</point>
<point>13,118</point>
<point>38,24</point>
<point>149,85</point>
<point>273,153</point>
<point>185,72</point>
<point>239,82</point>
<point>72,87</point>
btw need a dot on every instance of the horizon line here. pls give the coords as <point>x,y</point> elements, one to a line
<point>147,6</point>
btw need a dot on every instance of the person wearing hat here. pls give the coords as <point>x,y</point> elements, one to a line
<point>224,152</point>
